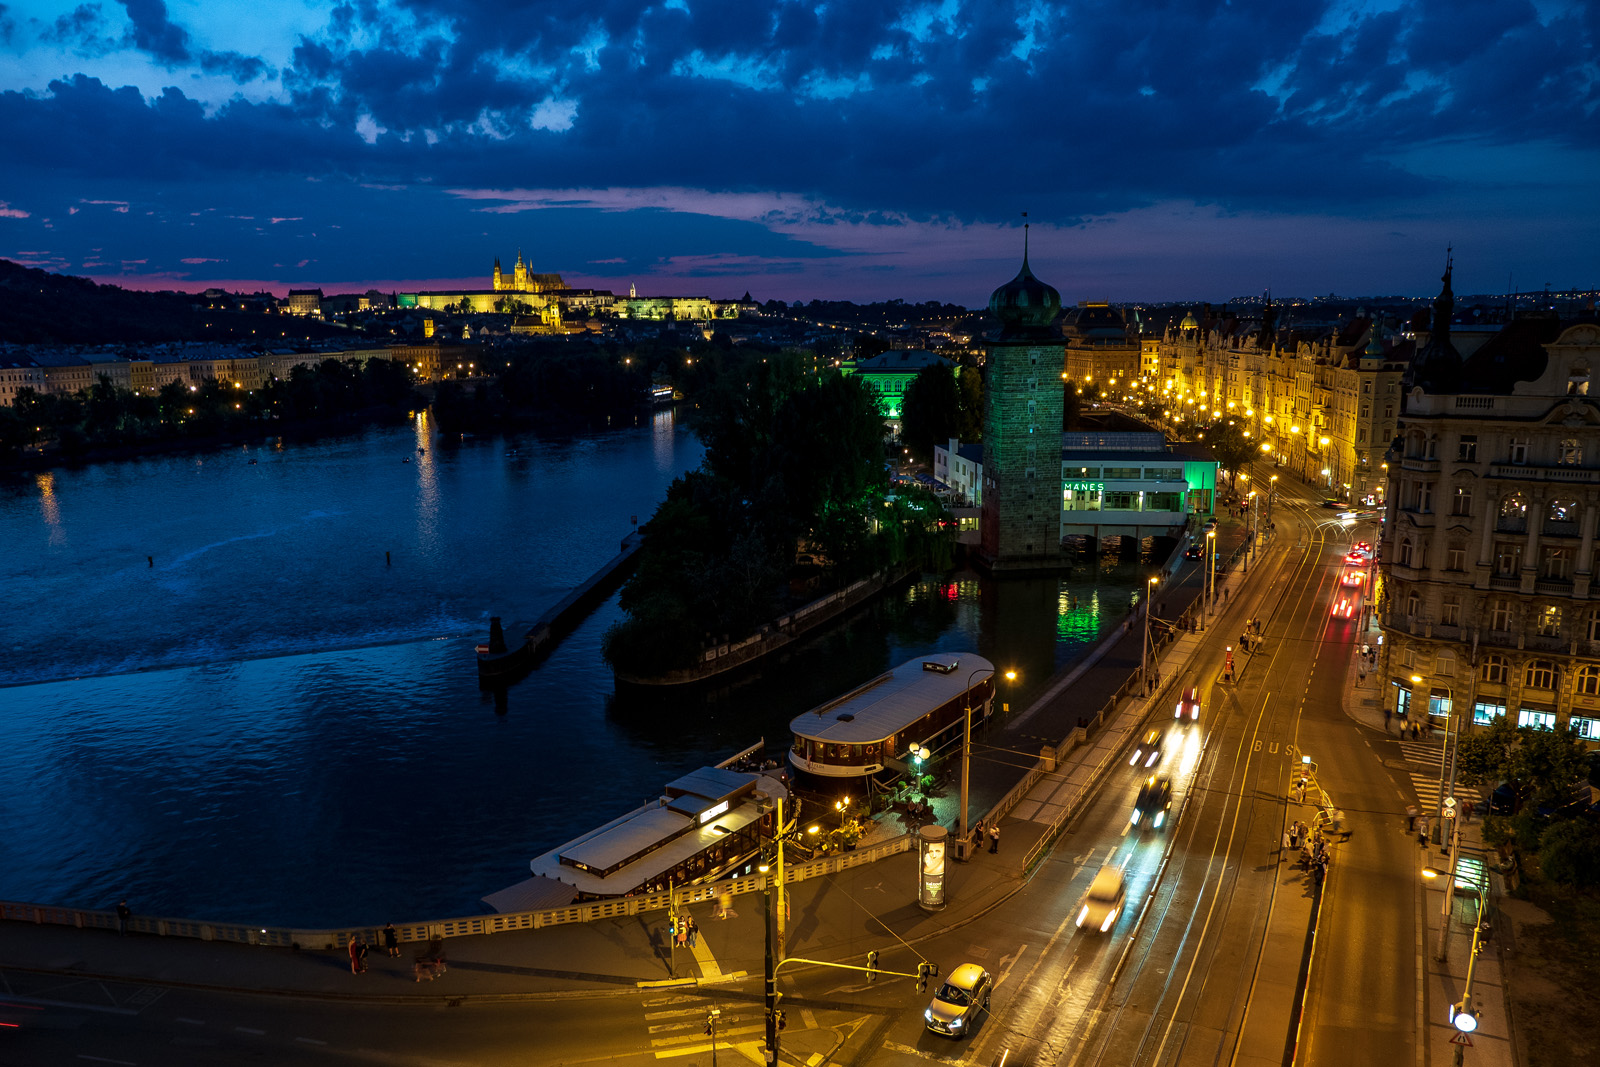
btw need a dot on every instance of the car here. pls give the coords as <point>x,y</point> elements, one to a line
<point>1334,505</point>
<point>1103,902</point>
<point>955,1006</point>
<point>1209,524</point>
<point>1353,578</point>
<point>1355,559</point>
<point>1343,608</point>
<point>1153,802</point>
<point>1193,552</point>
<point>1364,547</point>
<point>1147,753</point>
<point>1188,705</point>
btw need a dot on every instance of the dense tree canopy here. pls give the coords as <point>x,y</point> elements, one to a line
<point>930,413</point>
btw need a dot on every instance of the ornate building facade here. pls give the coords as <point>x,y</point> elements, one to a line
<point>1489,604</point>
<point>1323,405</point>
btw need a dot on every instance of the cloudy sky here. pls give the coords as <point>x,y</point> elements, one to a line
<point>842,148</point>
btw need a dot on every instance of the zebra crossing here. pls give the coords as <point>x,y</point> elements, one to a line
<point>1424,759</point>
<point>677,1025</point>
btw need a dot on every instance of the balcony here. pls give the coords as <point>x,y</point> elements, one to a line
<point>1559,528</point>
<point>1420,465</point>
<point>1512,524</point>
<point>1508,582</point>
<point>1523,473</point>
<point>1554,586</point>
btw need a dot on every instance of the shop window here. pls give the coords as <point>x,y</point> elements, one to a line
<point>1539,720</point>
<point>1484,713</point>
<point>1588,729</point>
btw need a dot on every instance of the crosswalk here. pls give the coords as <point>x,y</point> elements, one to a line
<point>1424,758</point>
<point>677,1023</point>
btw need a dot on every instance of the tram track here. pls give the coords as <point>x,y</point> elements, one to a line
<point>1221,873</point>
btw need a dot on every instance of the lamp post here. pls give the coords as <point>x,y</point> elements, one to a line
<point>1272,496</point>
<point>1210,587</point>
<point>962,840</point>
<point>1144,662</point>
<point>1460,1017</point>
<point>1255,525</point>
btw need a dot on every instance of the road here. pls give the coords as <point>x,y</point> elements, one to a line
<point>1169,984</point>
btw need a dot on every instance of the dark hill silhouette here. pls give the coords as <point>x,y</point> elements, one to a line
<point>38,307</point>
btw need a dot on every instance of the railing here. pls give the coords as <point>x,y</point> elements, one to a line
<point>474,925</point>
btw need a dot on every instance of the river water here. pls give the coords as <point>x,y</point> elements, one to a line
<point>223,702</point>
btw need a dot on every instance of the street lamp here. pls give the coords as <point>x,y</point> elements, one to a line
<point>1462,1017</point>
<point>1210,587</point>
<point>962,841</point>
<point>1144,662</point>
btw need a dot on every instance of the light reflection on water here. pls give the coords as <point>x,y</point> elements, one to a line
<point>272,725</point>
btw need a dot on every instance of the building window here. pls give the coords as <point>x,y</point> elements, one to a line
<point>1557,563</point>
<point>1413,604</point>
<point>1484,712</point>
<point>1513,514</point>
<point>1588,729</point>
<point>1444,663</point>
<point>1500,616</point>
<point>1550,621</point>
<point>1539,720</point>
<point>1540,674</point>
<point>1425,495</point>
<point>1451,615</point>
<point>1467,448</point>
<point>1519,450</point>
<point>1430,450</point>
<point>1494,670</point>
<point>1507,559</point>
<point>1461,502</point>
<point>1589,680</point>
<point>1404,556</point>
<point>1456,556</point>
<point>1594,625</point>
<point>1571,453</point>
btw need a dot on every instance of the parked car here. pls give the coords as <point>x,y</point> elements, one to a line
<point>955,1007</point>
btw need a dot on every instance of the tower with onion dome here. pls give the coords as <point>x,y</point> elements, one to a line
<point>1022,427</point>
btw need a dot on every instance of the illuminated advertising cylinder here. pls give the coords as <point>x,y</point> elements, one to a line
<point>932,849</point>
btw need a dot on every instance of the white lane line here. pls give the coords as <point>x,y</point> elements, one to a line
<point>310,1041</point>
<point>674,1013</point>
<point>707,962</point>
<point>733,1031</point>
<point>102,1059</point>
<point>248,1030</point>
<point>190,1022</point>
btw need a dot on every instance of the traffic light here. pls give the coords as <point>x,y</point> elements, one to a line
<point>782,1020</point>
<point>922,976</point>
<point>872,965</point>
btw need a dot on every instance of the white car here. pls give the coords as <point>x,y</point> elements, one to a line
<point>1147,753</point>
<point>1104,901</point>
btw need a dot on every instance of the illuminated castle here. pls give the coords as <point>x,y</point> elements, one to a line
<point>523,280</point>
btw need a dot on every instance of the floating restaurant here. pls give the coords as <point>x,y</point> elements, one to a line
<point>873,727</point>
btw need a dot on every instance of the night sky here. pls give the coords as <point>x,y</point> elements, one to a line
<point>1179,150</point>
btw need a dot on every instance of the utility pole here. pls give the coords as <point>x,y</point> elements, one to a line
<point>772,980</point>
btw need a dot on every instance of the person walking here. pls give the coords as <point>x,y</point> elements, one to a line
<point>994,837</point>
<point>1411,818</point>
<point>1387,714</point>
<point>124,913</point>
<point>391,939</point>
<point>1288,844</point>
<point>693,930</point>
<point>1422,831</point>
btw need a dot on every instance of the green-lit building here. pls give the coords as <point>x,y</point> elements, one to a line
<point>890,375</point>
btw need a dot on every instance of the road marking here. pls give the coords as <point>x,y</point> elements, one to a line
<point>674,1012</point>
<point>895,1046</point>
<point>102,1059</point>
<point>248,1030</point>
<point>689,1050</point>
<point>310,1041</point>
<point>707,962</point>
<point>190,1022</point>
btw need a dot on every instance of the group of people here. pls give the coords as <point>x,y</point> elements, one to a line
<point>358,948</point>
<point>685,931</point>
<point>992,831</point>
<point>920,811</point>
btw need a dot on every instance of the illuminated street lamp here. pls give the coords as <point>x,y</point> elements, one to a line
<point>1462,1017</point>
<point>1150,589</point>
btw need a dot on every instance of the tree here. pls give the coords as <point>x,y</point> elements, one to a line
<point>930,413</point>
<point>1569,853</point>
<point>970,427</point>
<point>1231,447</point>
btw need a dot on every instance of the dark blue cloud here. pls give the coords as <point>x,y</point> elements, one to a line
<point>935,110</point>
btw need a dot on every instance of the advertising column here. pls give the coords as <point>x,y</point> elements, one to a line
<point>932,848</point>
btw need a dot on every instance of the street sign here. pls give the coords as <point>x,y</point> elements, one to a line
<point>1462,1039</point>
<point>1449,803</point>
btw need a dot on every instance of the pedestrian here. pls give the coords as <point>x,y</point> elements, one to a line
<point>124,913</point>
<point>1387,714</point>
<point>151,560</point>
<point>1422,831</point>
<point>682,936</point>
<point>994,838</point>
<point>977,835</point>
<point>1411,818</point>
<point>391,939</point>
<point>357,952</point>
<point>1224,593</point>
<point>1294,835</point>
<point>1288,843</point>
<point>1319,871</point>
<point>1338,824</point>
<point>694,930</point>
<point>1300,791</point>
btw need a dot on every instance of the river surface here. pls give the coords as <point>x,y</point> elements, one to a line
<point>222,701</point>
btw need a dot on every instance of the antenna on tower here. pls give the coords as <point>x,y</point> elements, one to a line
<point>1024,241</point>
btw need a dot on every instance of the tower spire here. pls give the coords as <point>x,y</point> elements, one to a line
<point>1024,242</point>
